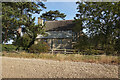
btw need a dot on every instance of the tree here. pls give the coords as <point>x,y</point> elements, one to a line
<point>82,43</point>
<point>16,15</point>
<point>53,15</point>
<point>29,37</point>
<point>101,21</point>
<point>23,42</point>
<point>33,30</point>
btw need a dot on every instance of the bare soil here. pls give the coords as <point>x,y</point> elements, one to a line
<point>38,68</point>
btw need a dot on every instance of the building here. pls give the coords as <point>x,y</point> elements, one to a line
<point>60,34</point>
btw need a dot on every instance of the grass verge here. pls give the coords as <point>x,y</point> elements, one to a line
<point>67,57</point>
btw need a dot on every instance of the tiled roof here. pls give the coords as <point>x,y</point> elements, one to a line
<point>57,34</point>
<point>59,25</point>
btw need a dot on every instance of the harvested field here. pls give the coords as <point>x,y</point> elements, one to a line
<point>38,68</point>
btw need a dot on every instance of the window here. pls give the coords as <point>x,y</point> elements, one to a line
<point>60,41</point>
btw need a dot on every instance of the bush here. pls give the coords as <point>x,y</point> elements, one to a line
<point>117,46</point>
<point>39,47</point>
<point>8,47</point>
<point>93,52</point>
<point>0,47</point>
<point>23,41</point>
<point>82,43</point>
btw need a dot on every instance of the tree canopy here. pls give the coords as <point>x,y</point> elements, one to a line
<point>53,15</point>
<point>101,22</point>
<point>16,15</point>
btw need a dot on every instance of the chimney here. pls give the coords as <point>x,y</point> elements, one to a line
<point>40,21</point>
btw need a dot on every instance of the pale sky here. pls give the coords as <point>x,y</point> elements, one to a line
<point>69,8</point>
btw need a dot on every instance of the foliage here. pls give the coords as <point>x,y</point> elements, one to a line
<point>82,43</point>
<point>117,46</point>
<point>23,41</point>
<point>39,47</point>
<point>33,30</point>
<point>16,15</point>
<point>93,52</point>
<point>101,23</point>
<point>52,15</point>
<point>8,47</point>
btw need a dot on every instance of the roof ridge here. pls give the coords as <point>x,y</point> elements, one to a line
<point>59,20</point>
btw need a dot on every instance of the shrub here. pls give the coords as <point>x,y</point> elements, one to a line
<point>8,47</point>
<point>82,43</point>
<point>93,52</point>
<point>39,47</point>
<point>23,41</point>
<point>0,47</point>
<point>117,46</point>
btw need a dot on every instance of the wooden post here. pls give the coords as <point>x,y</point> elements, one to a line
<point>52,51</point>
<point>65,51</point>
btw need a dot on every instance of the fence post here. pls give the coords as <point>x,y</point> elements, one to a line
<point>52,51</point>
<point>65,51</point>
<point>78,52</point>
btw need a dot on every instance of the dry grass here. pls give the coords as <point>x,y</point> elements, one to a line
<point>67,57</point>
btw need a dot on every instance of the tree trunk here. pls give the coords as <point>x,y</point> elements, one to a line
<point>31,43</point>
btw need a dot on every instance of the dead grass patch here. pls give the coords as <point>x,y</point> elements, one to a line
<point>67,57</point>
